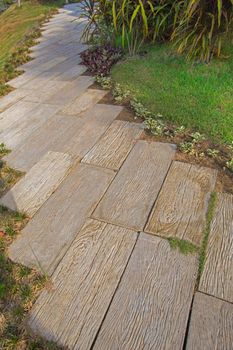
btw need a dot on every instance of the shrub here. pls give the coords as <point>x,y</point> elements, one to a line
<point>99,60</point>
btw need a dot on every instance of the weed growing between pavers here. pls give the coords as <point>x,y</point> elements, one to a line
<point>182,245</point>
<point>209,218</point>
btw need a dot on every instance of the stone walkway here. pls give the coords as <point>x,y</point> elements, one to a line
<point>102,203</point>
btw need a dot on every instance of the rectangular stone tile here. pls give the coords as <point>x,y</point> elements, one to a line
<point>71,73</point>
<point>180,210</point>
<point>70,91</point>
<point>17,133</point>
<point>131,196</point>
<point>46,238</point>
<point>83,102</point>
<point>15,113</point>
<point>211,325</point>
<point>112,149</point>
<point>38,184</point>
<point>23,78</point>
<point>55,133</point>
<point>10,99</point>
<point>217,277</point>
<point>83,286</point>
<point>151,306</point>
<point>94,123</point>
<point>42,95</point>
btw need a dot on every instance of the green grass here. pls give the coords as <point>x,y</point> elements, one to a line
<point>182,245</point>
<point>198,96</point>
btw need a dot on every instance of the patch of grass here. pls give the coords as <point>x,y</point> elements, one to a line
<point>197,96</point>
<point>182,245</point>
<point>209,218</point>
<point>18,29</point>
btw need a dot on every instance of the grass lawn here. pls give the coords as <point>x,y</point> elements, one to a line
<point>198,96</point>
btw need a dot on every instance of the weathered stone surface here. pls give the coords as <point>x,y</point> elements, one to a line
<point>112,149</point>
<point>38,184</point>
<point>83,286</point>
<point>217,277</point>
<point>183,216</point>
<point>211,325</point>
<point>131,196</point>
<point>83,102</point>
<point>10,99</point>
<point>150,309</point>
<point>46,238</point>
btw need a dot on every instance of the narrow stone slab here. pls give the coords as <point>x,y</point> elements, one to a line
<point>70,91</point>
<point>131,196</point>
<point>83,286</point>
<point>38,184</point>
<point>65,134</point>
<point>15,113</point>
<point>150,309</point>
<point>92,126</point>
<point>23,78</point>
<point>217,277</point>
<point>83,102</point>
<point>71,73</point>
<point>211,325</point>
<point>181,207</point>
<point>46,238</point>
<point>10,99</point>
<point>17,133</point>
<point>115,145</point>
<point>42,95</point>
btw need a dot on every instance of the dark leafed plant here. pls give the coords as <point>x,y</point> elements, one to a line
<point>99,60</point>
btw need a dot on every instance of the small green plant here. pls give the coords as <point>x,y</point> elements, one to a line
<point>213,153</point>
<point>187,147</point>
<point>209,218</point>
<point>229,164</point>
<point>197,137</point>
<point>139,109</point>
<point>184,247</point>
<point>179,130</point>
<point>3,150</point>
<point>105,82</point>
<point>119,93</point>
<point>156,126</point>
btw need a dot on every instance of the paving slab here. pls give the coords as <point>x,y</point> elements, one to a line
<point>211,325</point>
<point>49,234</point>
<point>70,91</point>
<point>31,192</point>
<point>151,306</point>
<point>50,136</point>
<point>71,73</point>
<point>113,148</point>
<point>83,102</point>
<point>217,277</point>
<point>10,99</point>
<point>83,286</point>
<point>131,196</point>
<point>181,208</point>
<point>42,95</point>
<point>16,134</point>
<point>93,123</point>
<point>15,113</point>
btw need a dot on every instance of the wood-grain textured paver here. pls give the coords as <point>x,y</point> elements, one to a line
<point>38,184</point>
<point>85,101</point>
<point>131,196</point>
<point>113,148</point>
<point>180,210</point>
<point>217,277</point>
<point>150,309</point>
<point>46,238</point>
<point>211,324</point>
<point>83,285</point>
